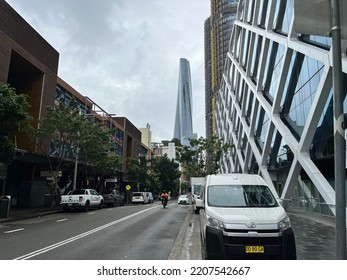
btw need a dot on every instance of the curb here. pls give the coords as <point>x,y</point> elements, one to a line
<point>187,245</point>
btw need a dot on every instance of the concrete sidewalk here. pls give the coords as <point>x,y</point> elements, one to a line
<point>17,214</point>
<point>187,245</point>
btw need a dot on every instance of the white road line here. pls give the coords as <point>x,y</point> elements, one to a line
<point>15,230</point>
<point>69,240</point>
<point>62,220</point>
<point>91,213</point>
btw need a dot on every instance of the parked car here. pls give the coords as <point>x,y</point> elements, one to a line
<point>82,198</point>
<point>242,219</point>
<point>183,199</point>
<point>140,197</point>
<point>113,197</point>
<point>150,197</point>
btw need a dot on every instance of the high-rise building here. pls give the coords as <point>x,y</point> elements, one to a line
<point>146,138</point>
<point>184,121</point>
<point>275,105</point>
<point>217,35</point>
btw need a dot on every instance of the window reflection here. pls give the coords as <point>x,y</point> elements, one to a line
<point>283,16</point>
<point>300,91</point>
<point>274,60</point>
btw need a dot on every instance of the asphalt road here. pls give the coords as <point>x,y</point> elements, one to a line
<point>139,232</point>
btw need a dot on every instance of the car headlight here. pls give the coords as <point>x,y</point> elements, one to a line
<point>214,223</point>
<point>284,224</point>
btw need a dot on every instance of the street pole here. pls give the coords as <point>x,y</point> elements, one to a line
<point>75,172</point>
<point>76,163</point>
<point>339,140</point>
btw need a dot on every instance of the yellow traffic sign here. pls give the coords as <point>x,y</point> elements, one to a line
<point>128,187</point>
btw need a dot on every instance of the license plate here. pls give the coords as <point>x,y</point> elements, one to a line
<point>254,249</point>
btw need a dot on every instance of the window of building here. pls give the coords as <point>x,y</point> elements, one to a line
<point>283,15</point>
<point>261,128</point>
<point>272,73</point>
<point>258,48</point>
<point>300,89</point>
<point>262,13</point>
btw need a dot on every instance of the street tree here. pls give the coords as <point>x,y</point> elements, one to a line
<point>65,136</point>
<point>13,117</point>
<point>155,174</point>
<point>202,157</point>
<point>138,171</point>
<point>167,173</point>
<point>95,149</point>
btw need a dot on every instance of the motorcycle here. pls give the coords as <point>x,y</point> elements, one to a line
<point>164,202</point>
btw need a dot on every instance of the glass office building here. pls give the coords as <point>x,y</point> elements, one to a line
<point>217,30</point>
<point>184,122</point>
<point>275,104</point>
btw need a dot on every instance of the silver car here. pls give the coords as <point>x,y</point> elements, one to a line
<point>183,199</point>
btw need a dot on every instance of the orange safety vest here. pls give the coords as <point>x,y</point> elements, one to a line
<point>164,195</point>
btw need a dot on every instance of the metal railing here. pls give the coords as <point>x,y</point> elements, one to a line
<point>310,205</point>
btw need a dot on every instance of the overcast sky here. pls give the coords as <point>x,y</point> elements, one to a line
<point>124,54</point>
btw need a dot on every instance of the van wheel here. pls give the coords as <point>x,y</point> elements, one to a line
<point>196,210</point>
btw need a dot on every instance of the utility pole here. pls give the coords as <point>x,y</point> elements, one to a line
<point>339,134</point>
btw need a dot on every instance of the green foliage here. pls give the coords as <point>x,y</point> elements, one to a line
<point>154,175</point>
<point>61,127</point>
<point>72,136</point>
<point>7,150</point>
<point>167,173</point>
<point>13,116</point>
<point>202,157</point>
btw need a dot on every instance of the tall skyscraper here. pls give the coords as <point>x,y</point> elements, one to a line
<point>217,35</point>
<point>184,121</point>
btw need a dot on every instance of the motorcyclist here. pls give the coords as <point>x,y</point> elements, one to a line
<point>164,198</point>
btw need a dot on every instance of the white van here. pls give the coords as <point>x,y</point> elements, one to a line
<point>198,200</point>
<point>242,219</point>
<point>195,185</point>
<point>150,197</point>
<point>140,197</point>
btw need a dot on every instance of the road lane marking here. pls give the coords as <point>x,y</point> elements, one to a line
<point>61,220</point>
<point>15,230</point>
<point>74,238</point>
<point>91,213</point>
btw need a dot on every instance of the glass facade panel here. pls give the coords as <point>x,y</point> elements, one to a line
<point>262,13</point>
<point>258,47</point>
<point>301,89</point>
<point>250,11</point>
<point>272,73</point>
<point>319,41</point>
<point>283,16</point>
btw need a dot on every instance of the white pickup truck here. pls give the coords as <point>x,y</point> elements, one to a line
<point>81,198</point>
